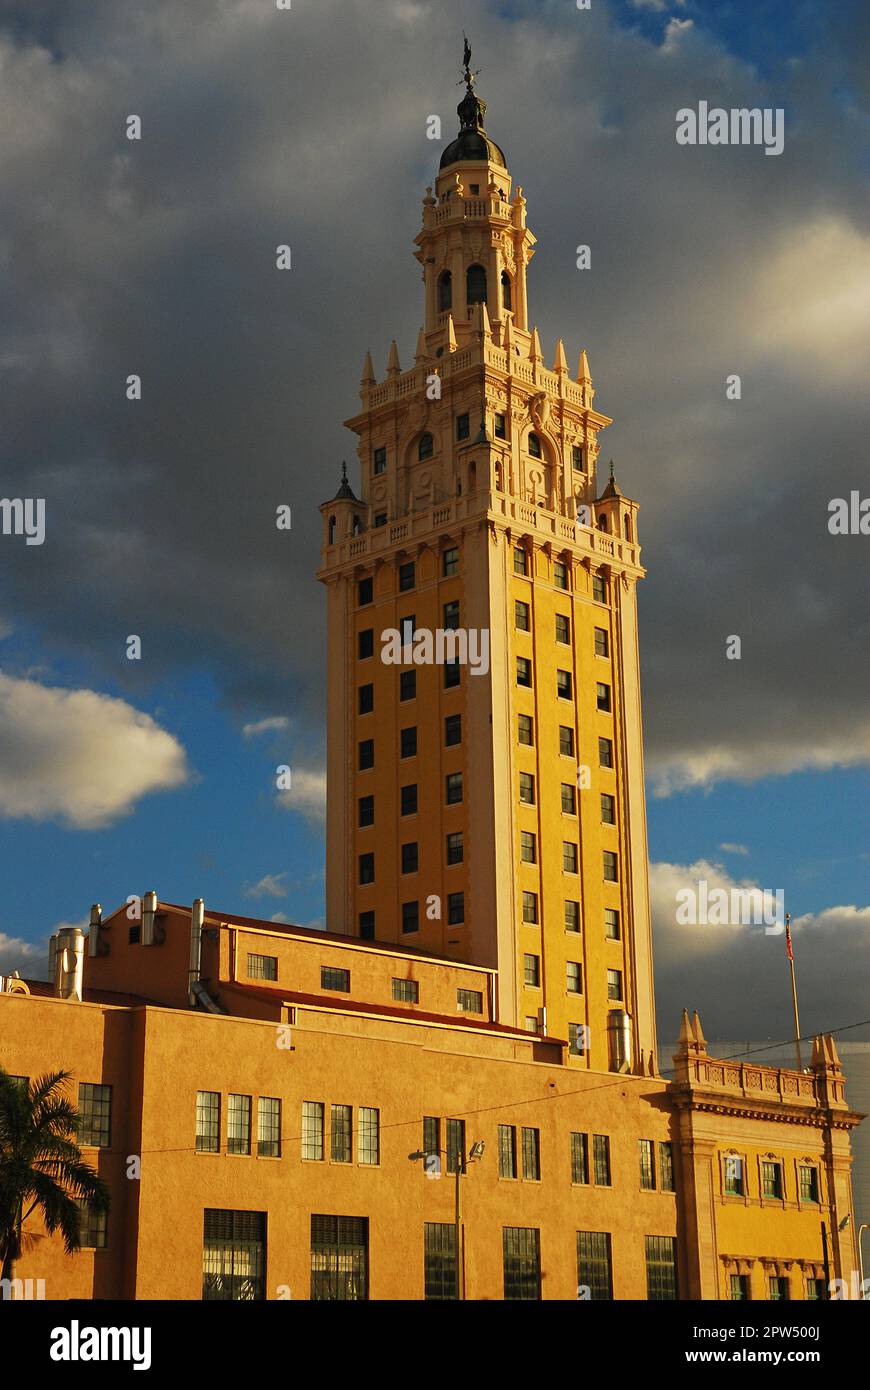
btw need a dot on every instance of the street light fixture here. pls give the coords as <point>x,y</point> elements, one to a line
<point>475,1153</point>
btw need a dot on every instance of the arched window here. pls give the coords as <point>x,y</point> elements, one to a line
<point>475,285</point>
<point>602,524</point>
<point>332,530</point>
<point>445,291</point>
<point>426,447</point>
<point>355,529</point>
<point>626,527</point>
<point>534,446</point>
<point>506,290</point>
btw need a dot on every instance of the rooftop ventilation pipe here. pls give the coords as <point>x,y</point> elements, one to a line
<point>149,912</point>
<point>94,928</point>
<point>68,961</point>
<point>197,916</point>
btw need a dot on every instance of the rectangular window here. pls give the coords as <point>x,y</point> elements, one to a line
<point>572,915</point>
<point>528,847</point>
<point>560,575</point>
<point>608,808</point>
<point>563,628</point>
<point>451,614</point>
<point>647,1153</point>
<point>233,1256</point>
<point>340,1133</point>
<point>379,519</point>
<point>602,642</point>
<point>569,799</point>
<point>365,643</point>
<point>531,1154</point>
<point>93,1225</point>
<point>410,857</point>
<point>208,1122</point>
<point>369,1135</point>
<point>452,675</point>
<point>455,1143</point>
<point>576,1039</point>
<point>524,671</point>
<point>521,560</point>
<point>527,788</point>
<point>593,1265</point>
<point>450,561</point>
<point>498,426</point>
<point>238,1124</point>
<point>611,924</point>
<point>268,1127</point>
<point>407,685</point>
<point>563,685</point>
<point>366,754</point>
<point>379,461</point>
<point>439,1260</point>
<point>816,1289</point>
<point>453,788</point>
<point>339,1258</point>
<point>580,1158</point>
<point>577,457</point>
<point>738,1288</point>
<point>407,628</point>
<point>455,849</point>
<point>530,1024</point>
<point>507,1151</point>
<point>367,926</point>
<point>365,699</point>
<point>602,696</point>
<point>366,811</point>
<point>521,615</point>
<point>809,1183</point>
<point>614,984</point>
<point>407,576</point>
<point>95,1115</point>
<point>455,909</point>
<point>410,917</point>
<point>525,729</point>
<point>733,1173</point>
<point>530,908</point>
<point>599,588</point>
<point>463,428</point>
<point>566,741</point>
<point>364,592</point>
<point>661,1268</point>
<point>333,977</point>
<point>611,873</point>
<point>574,977</point>
<point>469,1001</point>
<point>262,967</point>
<point>601,1159</point>
<point>569,857</point>
<point>771,1180</point>
<point>777,1287</point>
<point>666,1166</point>
<point>532,971</point>
<point>605,752</point>
<point>408,742</point>
<point>406,991</point>
<point>432,1143</point>
<point>409,799</point>
<point>521,1247</point>
<point>452,730</point>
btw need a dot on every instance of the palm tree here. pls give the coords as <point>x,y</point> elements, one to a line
<point>41,1164</point>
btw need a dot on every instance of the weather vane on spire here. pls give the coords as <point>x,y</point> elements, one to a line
<point>467,76</point>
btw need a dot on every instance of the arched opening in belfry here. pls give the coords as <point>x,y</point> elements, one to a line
<point>445,291</point>
<point>475,285</point>
<point>507,291</point>
<point>602,524</point>
<point>332,530</point>
<point>626,527</point>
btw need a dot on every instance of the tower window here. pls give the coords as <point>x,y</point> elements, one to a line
<point>367,926</point>
<point>475,285</point>
<point>569,857</point>
<point>451,613</point>
<point>563,628</point>
<point>521,614</point>
<point>445,291</point>
<point>577,458</point>
<point>463,426</point>
<point>454,847</point>
<point>603,696</point>
<point>452,730</point>
<point>379,519</point>
<point>366,754</point>
<point>603,524</point>
<point>410,917</point>
<point>534,446</point>
<point>605,752</point>
<point>499,428</point>
<point>608,808</point>
<point>521,560</point>
<point>407,576</point>
<point>450,562</point>
<point>569,798</point>
<point>524,671</point>
<point>532,971</point>
<point>614,984</point>
<point>456,911</point>
<point>332,530</point>
<point>453,788</point>
<point>573,977</point>
<point>426,447</point>
<point>408,742</point>
<point>572,915</point>
<point>599,588</point>
<point>506,290</point>
<point>528,847</point>
<point>566,741</point>
<point>560,574</point>
<point>409,799</point>
<point>407,685</point>
<point>379,460</point>
<point>364,591</point>
<point>367,868</point>
<point>410,858</point>
<point>611,924</point>
<point>365,699</point>
<point>452,674</point>
<point>366,810</point>
<point>525,729</point>
<point>602,645</point>
<point>563,685</point>
<point>611,872</point>
<point>527,788</point>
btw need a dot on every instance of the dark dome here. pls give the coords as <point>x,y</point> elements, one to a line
<point>472,145</point>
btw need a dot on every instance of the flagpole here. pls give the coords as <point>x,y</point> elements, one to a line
<point>797,1026</point>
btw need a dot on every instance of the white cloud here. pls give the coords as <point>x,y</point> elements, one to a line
<point>674,32</point>
<point>269,886</point>
<point>306,794</point>
<point>266,726</point>
<point>730,848</point>
<point>754,754</point>
<point>79,757</point>
<point>29,960</point>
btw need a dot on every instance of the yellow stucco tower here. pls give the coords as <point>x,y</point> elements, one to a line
<point>490,808</point>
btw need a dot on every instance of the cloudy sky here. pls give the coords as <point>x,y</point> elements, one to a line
<point>157,258</point>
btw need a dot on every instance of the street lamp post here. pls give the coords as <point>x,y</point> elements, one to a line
<point>462,1160</point>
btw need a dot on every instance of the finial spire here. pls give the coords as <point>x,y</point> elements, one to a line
<point>343,471</point>
<point>467,74</point>
<point>611,470</point>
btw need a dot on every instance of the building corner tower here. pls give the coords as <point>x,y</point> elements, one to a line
<point>485,789</point>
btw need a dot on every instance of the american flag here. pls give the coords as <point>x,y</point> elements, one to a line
<point>788,949</point>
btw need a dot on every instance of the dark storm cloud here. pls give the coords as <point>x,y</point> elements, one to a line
<point>308,127</point>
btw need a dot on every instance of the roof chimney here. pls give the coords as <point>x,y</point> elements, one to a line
<point>68,961</point>
<point>149,912</point>
<point>94,928</point>
<point>197,916</point>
